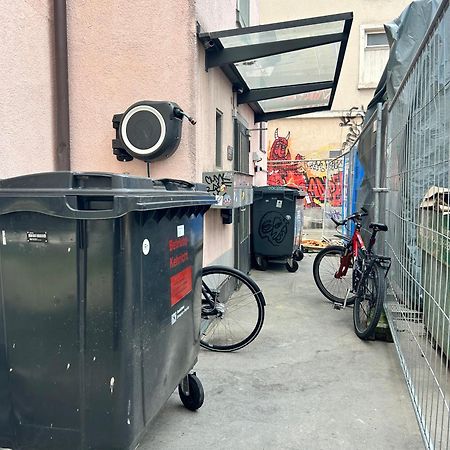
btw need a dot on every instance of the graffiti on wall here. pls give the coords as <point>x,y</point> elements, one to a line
<point>308,175</point>
<point>280,150</point>
<point>311,177</point>
<point>218,184</point>
<point>353,119</point>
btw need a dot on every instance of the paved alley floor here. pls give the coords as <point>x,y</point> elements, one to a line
<point>306,382</point>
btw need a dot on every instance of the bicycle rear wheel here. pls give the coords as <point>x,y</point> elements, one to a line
<point>369,302</point>
<point>232,309</point>
<point>326,264</point>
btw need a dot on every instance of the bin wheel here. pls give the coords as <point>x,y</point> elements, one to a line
<point>261,263</point>
<point>292,268</point>
<point>195,396</point>
<point>298,255</point>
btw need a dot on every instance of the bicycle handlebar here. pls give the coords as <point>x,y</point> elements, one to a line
<point>356,216</point>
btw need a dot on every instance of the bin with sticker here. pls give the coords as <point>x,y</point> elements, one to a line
<point>277,223</point>
<point>100,306</point>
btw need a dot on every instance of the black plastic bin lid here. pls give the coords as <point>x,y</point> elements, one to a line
<point>96,195</point>
<point>285,190</point>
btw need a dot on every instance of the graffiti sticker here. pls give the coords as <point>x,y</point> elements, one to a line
<point>273,227</point>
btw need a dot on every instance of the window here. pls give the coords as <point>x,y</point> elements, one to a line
<point>373,55</point>
<point>241,159</point>
<point>376,39</point>
<point>243,13</point>
<point>218,138</point>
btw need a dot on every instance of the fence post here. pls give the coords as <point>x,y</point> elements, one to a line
<point>377,188</point>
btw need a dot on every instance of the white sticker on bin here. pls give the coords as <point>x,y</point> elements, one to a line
<point>180,230</point>
<point>145,247</point>
<point>4,237</point>
<point>279,203</point>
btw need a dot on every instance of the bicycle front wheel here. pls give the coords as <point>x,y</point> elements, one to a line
<point>232,309</point>
<point>369,302</point>
<point>326,265</point>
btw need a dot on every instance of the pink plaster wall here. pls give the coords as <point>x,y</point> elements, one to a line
<point>122,52</point>
<point>119,53</point>
<point>214,91</point>
<point>26,76</point>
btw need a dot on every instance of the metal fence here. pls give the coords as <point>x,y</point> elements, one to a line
<point>418,215</point>
<point>311,176</point>
<point>359,172</point>
<point>339,194</point>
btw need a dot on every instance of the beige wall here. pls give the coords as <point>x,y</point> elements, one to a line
<point>26,78</point>
<point>311,138</point>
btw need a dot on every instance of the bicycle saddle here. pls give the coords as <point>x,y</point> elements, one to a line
<point>378,226</point>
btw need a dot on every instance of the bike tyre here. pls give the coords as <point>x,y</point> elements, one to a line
<point>258,298</point>
<point>366,331</point>
<point>318,260</point>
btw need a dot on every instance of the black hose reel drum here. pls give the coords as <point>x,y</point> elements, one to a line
<point>148,130</point>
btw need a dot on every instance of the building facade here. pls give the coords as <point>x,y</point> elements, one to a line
<point>326,134</point>
<point>69,70</point>
<point>120,53</point>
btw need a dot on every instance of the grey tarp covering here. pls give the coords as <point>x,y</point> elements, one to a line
<point>426,115</point>
<point>405,34</point>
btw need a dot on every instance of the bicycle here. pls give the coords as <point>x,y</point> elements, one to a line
<point>352,274</point>
<point>232,312</point>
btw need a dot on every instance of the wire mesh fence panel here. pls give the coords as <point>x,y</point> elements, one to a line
<point>337,193</point>
<point>418,215</point>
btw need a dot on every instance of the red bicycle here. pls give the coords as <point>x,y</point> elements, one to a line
<point>353,274</point>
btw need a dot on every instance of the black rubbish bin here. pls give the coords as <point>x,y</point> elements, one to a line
<point>277,222</point>
<point>100,280</point>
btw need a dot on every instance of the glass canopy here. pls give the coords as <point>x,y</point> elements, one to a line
<point>283,34</point>
<point>302,66</point>
<point>282,69</point>
<point>307,100</point>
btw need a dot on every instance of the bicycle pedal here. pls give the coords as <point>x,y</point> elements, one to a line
<point>336,306</point>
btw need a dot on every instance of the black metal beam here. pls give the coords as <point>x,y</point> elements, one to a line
<point>248,52</point>
<point>265,117</point>
<point>255,95</point>
<point>340,60</point>
<point>276,26</point>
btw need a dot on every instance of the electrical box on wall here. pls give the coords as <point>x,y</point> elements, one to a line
<point>232,189</point>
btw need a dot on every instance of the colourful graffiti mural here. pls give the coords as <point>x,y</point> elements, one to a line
<point>279,151</point>
<point>309,175</point>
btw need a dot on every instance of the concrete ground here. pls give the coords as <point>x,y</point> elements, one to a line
<point>306,382</point>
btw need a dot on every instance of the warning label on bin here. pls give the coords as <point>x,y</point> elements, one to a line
<point>37,237</point>
<point>180,285</point>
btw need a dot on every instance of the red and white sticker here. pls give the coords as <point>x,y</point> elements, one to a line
<point>180,285</point>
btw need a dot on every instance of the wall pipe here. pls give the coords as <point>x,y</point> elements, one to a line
<point>62,156</point>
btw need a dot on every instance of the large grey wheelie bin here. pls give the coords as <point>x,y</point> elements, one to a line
<point>100,305</point>
<point>277,223</point>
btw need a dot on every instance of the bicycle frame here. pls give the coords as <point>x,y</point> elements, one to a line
<point>352,250</point>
